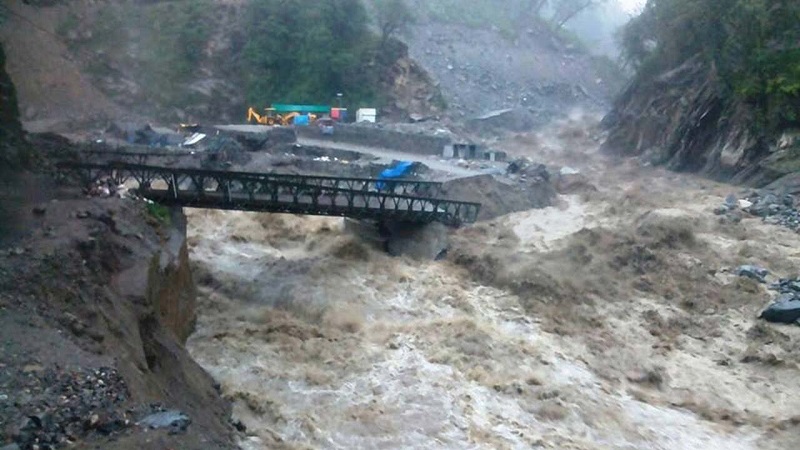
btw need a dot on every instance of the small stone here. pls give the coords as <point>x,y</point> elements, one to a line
<point>753,272</point>
<point>33,368</point>
<point>82,214</point>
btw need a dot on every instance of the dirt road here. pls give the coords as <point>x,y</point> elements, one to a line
<point>447,170</point>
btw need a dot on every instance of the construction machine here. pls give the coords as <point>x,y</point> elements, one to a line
<point>268,118</point>
<point>271,117</point>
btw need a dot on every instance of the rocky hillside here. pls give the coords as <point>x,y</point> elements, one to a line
<point>725,104</point>
<point>204,60</point>
<point>487,58</point>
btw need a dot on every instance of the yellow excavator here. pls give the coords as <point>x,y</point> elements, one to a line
<point>270,117</point>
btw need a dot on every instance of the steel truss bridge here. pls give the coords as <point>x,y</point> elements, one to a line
<point>358,198</point>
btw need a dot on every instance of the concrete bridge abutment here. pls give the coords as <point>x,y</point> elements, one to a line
<point>423,241</point>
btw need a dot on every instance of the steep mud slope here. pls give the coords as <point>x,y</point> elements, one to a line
<point>96,303</point>
<point>53,90</point>
<point>96,300</point>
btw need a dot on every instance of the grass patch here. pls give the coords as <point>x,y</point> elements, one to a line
<point>159,212</point>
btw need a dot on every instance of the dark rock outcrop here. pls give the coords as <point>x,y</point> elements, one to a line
<point>683,119</point>
<point>11,136</point>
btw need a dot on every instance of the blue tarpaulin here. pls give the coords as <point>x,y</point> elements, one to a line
<point>301,120</point>
<point>399,170</point>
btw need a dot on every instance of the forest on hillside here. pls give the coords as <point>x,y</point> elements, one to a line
<point>186,52</point>
<point>293,53</point>
<point>752,46</point>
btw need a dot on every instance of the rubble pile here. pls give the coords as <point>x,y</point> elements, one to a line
<point>771,208</point>
<point>787,287</point>
<point>53,407</point>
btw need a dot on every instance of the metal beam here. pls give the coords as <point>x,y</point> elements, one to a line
<point>360,198</point>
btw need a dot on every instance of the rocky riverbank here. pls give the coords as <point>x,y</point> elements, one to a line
<point>97,301</point>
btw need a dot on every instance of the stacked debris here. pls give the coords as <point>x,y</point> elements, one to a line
<point>775,210</point>
<point>771,208</point>
<point>524,168</point>
<point>144,134</point>
<point>787,286</point>
<point>224,152</point>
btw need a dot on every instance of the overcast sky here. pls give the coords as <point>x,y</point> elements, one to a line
<point>631,5</point>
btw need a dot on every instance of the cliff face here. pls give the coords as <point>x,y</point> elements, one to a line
<point>11,138</point>
<point>681,119</point>
<point>170,287</point>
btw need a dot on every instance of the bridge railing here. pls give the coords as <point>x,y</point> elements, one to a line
<point>301,194</point>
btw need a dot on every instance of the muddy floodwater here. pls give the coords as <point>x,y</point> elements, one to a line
<point>610,320</point>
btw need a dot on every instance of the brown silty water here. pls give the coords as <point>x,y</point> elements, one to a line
<point>607,321</point>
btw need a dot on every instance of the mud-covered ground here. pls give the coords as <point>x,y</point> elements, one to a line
<point>608,321</point>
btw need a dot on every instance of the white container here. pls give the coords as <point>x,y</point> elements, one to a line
<point>367,115</point>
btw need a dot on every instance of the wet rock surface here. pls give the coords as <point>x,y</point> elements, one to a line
<point>753,272</point>
<point>786,306</point>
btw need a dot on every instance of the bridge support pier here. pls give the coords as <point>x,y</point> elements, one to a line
<point>424,241</point>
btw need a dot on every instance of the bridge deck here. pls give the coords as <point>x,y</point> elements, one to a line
<point>361,198</point>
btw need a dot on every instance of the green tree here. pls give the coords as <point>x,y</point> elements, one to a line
<point>753,45</point>
<point>394,18</point>
<point>295,53</point>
